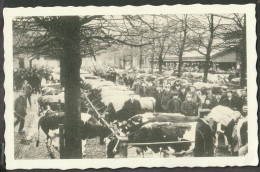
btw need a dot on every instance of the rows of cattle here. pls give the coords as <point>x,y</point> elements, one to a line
<point>147,128</point>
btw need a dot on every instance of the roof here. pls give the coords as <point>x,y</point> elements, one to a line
<point>223,53</point>
<point>185,59</point>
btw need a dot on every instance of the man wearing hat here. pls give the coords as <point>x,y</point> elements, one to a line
<point>182,94</point>
<point>131,107</point>
<point>158,97</point>
<point>27,88</point>
<point>211,97</point>
<point>188,107</point>
<point>174,105</point>
<point>230,101</point>
<point>195,97</point>
<point>166,97</point>
<point>220,81</point>
<point>20,110</point>
<point>204,137</point>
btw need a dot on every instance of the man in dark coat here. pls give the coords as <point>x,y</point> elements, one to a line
<point>211,97</point>
<point>158,98</point>
<point>27,88</point>
<point>230,101</point>
<point>182,94</point>
<point>204,145</point>
<point>188,107</point>
<point>242,101</point>
<point>174,105</point>
<point>131,107</point>
<point>20,110</point>
<point>166,97</point>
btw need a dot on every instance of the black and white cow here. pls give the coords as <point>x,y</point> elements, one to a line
<point>91,128</point>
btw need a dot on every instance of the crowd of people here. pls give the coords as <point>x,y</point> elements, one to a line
<point>33,76</point>
<point>176,97</point>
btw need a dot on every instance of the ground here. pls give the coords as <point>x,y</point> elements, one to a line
<point>25,144</point>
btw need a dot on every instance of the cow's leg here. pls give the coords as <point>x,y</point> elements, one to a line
<point>83,148</point>
<point>101,141</point>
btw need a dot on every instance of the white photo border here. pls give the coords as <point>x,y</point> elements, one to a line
<point>251,159</point>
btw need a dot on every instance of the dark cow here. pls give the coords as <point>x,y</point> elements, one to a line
<point>91,128</point>
<point>50,121</point>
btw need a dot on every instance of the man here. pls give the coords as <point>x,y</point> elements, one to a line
<point>230,101</point>
<point>166,97</point>
<point>205,131</point>
<point>211,97</point>
<point>218,99</point>
<point>20,111</point>
<point>195,97</point>
<point>220,81</point>
<point>182,94</point>
<point>158,98</point>
<point>174,105</point>
<point>27,88</point>
<point>188,107</point>
<point>242,100</point>
<point>136,86</point>
<point>207,104</point>
<point>131,107</point>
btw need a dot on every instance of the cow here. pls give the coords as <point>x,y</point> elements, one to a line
<point>162,132</point>
<point>158,132</point>
<point>90,127</point>
<point>137,121</point>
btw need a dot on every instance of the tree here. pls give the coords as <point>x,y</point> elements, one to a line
<point>205,31</point>
<point>69,38</point>
<point>164,28</point>
<point>180,39</point>
<point>235,38</point>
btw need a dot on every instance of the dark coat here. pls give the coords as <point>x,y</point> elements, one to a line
<point>213,100</point>
<point>131,108</point>
<point>174,106</point>
<point>27,88</point>
<point>20,106</point>
<point>182,96</point>
<point>207,106</point>
<point>166,97</point>
<point>189,108</point>
<point>203,140</point>
<point>158,103</point>
<point>233,103</point>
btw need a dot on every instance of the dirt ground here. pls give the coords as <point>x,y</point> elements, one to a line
<point>25,144</point>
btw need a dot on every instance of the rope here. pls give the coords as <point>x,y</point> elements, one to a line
<point>158,143</point>
<point>19,115</point>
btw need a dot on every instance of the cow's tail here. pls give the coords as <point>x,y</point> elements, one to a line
<point>38,140</point>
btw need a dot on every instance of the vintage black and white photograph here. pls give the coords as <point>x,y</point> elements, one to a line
<point>158,85</point>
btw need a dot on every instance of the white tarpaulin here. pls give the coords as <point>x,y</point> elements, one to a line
<point>223,115</point>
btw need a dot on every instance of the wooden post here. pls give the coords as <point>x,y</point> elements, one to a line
<point>62,141</point>
<point>123,147</point>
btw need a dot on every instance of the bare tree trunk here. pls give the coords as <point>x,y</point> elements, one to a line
<point>160,60</point>
<point>70,64</point>
<point>206,68</point>
<point>243,66</point>
<point>180,66</point>
<point>209,48</point>
<point>141,58</point>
